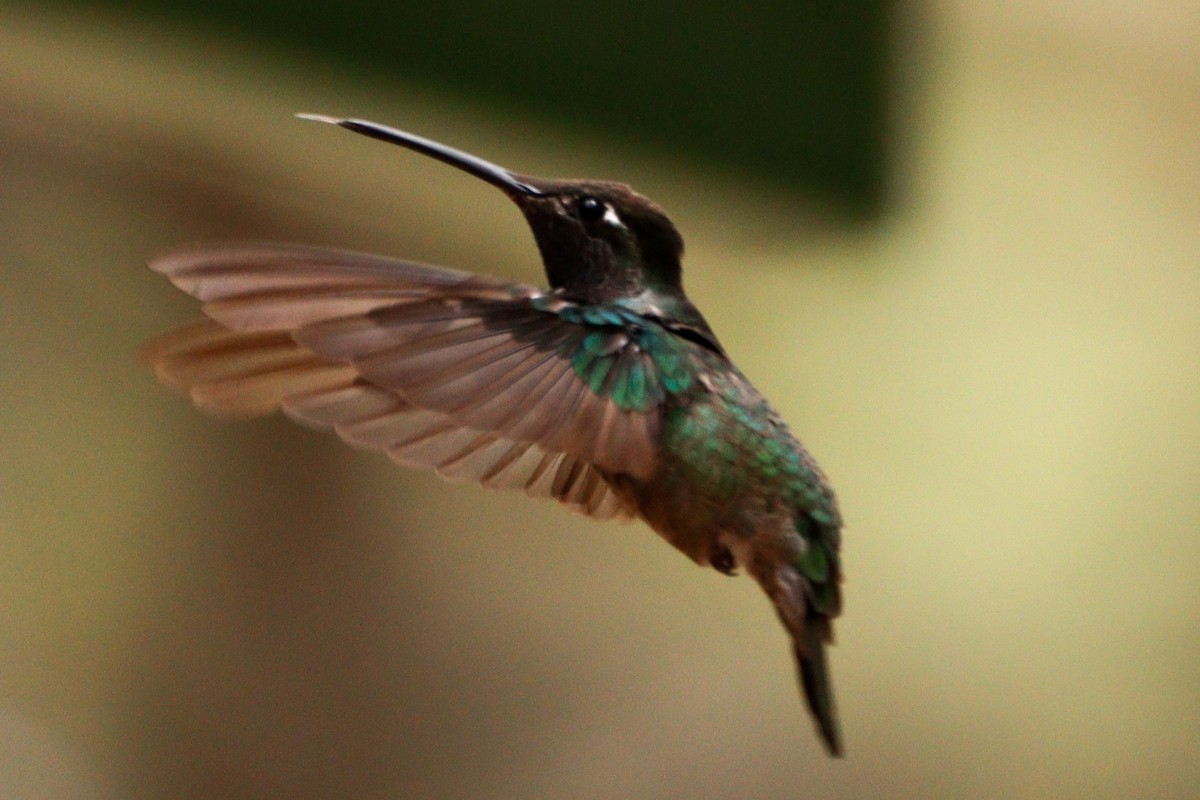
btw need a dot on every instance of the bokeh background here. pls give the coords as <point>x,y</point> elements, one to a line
<point>955,241</point>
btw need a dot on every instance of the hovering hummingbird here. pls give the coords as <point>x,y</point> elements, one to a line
<point>607,392</point>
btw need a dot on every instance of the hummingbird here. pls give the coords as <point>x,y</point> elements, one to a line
<point>608,391</point>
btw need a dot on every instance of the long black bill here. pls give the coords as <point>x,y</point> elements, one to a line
<point>496,175</point>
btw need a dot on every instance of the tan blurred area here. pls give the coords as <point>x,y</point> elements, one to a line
<point>1002,379</point>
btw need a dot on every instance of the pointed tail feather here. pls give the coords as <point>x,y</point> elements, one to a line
<point>811,630</point>
<point>818,689</point>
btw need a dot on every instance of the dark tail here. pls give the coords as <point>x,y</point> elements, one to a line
<point>818,690</point>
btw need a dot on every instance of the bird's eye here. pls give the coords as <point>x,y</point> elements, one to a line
<point>591,209</point>
<point>722,560</point>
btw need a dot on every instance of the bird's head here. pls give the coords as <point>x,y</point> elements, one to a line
<point>599,240</point>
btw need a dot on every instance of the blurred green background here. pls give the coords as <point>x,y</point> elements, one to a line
<point>972,287</point>
<point>792,90</point>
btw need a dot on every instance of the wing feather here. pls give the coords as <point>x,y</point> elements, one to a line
<point>249,374</point>
<point>467,358</point>
<point>264,285</point>
<point>474,377</point>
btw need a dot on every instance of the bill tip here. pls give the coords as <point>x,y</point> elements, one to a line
<point>319,118</point>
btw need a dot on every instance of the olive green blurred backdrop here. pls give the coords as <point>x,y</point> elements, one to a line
<point>794,90</point>
<point>976,301</point>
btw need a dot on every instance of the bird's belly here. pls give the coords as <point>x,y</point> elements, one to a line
<point>718,472</point>
<point>690,521</point>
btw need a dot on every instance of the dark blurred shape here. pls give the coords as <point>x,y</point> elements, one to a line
<point>793,92</point>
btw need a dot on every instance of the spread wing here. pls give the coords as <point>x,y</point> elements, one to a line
<point>479,379</point>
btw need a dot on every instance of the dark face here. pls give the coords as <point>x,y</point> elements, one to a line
<point>600,240</point>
